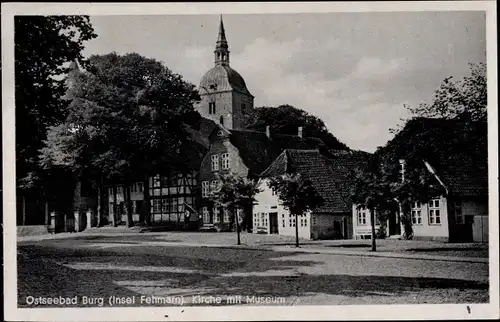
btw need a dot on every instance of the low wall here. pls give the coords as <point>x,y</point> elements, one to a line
<point>31,230</point>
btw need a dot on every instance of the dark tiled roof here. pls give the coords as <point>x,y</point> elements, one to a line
<point>198,143</point>
<point>459,152</point>
<point>332,176</point>
<point>258,151</point>
<point>202,134</point>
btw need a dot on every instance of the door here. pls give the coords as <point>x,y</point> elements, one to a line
<point>394,221</point>
<point>273,223</point>
<point>345,230</point>
<point>337,230</point>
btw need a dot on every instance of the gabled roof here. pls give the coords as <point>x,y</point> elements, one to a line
<point>457,150</point>
<point>258,151</point>
<point>332,176</point>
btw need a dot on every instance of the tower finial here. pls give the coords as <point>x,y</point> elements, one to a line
<point>221,48</point>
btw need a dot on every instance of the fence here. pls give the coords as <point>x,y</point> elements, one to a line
<point>480,229</point>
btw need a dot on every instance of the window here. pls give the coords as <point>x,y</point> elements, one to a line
<point>215,162</point>
<point>301,222</point>
<point>165,206</point>
<point>293,221</point>
<point>214,185</point>
<point>110,191</point>
<point>305,222</point>
<point>211,108</point>
<point>283,222</point>
<point>111,208</point>
<point>459,216</point>
<point>416,213</point>
<point>204,189</point>
<point>226,215</point>
<point>216,214</point>
<point>140,186</point>
<point>206,215</point>
<point>157,205</point>
<point>362,215</point>
<point>156,181</point>
<point>314,220</point>
<point>434,212</point>
<point>225,161</point>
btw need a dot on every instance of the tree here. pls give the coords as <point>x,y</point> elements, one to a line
<point>235,193</point>
<point>42,45</point>
<point>286,119</point>
<point>297,195</point>
<point>467,97</point>
<point>126,119</point>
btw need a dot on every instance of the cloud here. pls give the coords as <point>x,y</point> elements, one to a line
<point>376,68</point>
<point>354,110</point>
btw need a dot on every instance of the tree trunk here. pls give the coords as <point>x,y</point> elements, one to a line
<point>128,206</point>
<point>146,205</point>
<point>372,219</point>
<point>23,203</point>
<point>46,210</point>
<point>115,206</point>
<point>100,202</point>
<point>296,230</point>
<point>235,211</point>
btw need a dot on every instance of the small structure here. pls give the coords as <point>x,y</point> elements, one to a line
<point>459,213</point>
<point>331,174</point>
<point>245,154</point>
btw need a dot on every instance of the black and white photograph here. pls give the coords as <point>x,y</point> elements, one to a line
<point>250,161</point>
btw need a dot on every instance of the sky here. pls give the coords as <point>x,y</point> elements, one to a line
<point>355,71</point>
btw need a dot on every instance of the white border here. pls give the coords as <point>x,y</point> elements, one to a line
<point>357,312</point>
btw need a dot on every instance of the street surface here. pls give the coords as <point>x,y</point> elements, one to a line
<point>118,270</point>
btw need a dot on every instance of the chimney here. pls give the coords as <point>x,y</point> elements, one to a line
<point>268,131</point>
<point>300,131</point>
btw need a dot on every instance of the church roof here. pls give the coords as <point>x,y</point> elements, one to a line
<point>223,78</point>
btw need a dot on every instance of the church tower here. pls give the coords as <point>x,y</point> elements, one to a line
<point>225,98</point>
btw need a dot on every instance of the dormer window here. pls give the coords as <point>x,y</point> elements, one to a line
<point>211,108</point>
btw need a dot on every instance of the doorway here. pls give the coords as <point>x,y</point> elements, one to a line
<point>394,220</point>
<point>273,223</point>
<point>345,228</point>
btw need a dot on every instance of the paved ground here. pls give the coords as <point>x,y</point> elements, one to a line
<point>416,247</point>
<point>133,266</point>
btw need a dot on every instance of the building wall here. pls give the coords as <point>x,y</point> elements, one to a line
<point>464,229</point>
<point>236,166</point>
<point>423,230</point>
<point>267,202</point>
<point>223,107</point>
<point>471,207</point>
<point>361,229</point>
<point>238,112</point>
<point>426,230</point>
<point>178,191</point>
<point>323,226</point>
